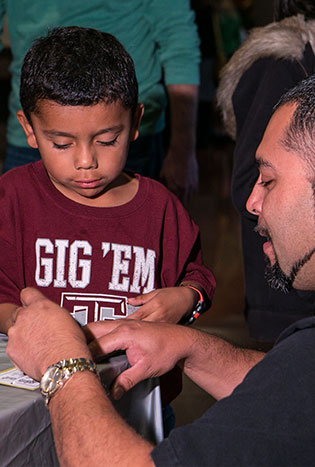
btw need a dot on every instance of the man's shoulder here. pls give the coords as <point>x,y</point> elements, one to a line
<point>289,360</point>
<point>295,328</point>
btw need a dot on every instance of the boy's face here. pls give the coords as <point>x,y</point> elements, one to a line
<point>84,148</point>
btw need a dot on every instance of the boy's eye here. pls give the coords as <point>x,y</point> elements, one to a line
<point>61,146</point>
<point>108,143</point>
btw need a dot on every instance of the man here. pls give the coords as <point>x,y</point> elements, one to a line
<point>266,411</point>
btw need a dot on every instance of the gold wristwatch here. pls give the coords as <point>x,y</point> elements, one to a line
<point>56,375</point>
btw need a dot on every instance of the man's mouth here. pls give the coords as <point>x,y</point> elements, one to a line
<point>267,246</point>
<point>269,251</point>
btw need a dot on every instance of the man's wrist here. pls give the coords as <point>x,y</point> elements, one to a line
<point>57,375</point>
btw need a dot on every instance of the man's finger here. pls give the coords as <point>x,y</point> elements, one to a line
<point>105,345</point>
<point>15,313</point>
<point>127,380</point>
<point>30,295</point>
<point>97,329</point>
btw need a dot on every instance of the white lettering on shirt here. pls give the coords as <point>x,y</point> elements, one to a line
<point>62,263</point>
<point>83,264</point>
<point>144,270</point>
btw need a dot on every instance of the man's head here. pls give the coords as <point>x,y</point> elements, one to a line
<point>79,96</point>
<point>283,197</point>
<point>77,66</point>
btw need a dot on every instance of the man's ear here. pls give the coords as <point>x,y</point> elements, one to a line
<point>28,129</point>
<point>136,122</point>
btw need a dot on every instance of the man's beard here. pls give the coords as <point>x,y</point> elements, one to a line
<point>278,280</point>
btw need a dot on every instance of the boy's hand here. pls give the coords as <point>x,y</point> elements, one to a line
<point>167,305</point>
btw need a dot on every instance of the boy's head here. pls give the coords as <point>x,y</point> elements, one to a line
<point>79,96</point>
<point>77,66</point>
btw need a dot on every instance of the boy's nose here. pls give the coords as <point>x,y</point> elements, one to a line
<point>85,158</point>
<point>255,200</point>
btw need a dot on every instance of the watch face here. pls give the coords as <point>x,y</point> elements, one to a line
<point>50,380</point>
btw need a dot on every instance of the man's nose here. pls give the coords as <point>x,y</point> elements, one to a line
<point>255,200</point>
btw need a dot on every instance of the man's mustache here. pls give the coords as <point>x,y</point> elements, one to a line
<point>262,231</point>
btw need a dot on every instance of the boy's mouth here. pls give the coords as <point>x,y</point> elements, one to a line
<point>87,183</point>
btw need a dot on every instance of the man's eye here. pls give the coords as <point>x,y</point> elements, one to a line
<point>265,183</point>
<point>61,146</point>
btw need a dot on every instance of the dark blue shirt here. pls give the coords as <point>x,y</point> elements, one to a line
<point>269,419</point>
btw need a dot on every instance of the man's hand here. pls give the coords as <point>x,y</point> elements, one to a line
<point>167,305</point>
<point>155,348</point>
<point>42,334</point>
<point>152,349</point>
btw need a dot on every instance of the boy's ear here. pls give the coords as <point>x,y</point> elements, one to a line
<point>136,122</point>
<point>28,129</point>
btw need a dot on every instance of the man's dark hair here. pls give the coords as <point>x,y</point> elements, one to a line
<point>286,8</point>
<point>299,136</point>
<point>77,66</point>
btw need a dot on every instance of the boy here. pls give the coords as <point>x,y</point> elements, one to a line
<point>91,237</point>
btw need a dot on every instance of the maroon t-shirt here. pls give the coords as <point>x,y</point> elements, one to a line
<point>91,259</point>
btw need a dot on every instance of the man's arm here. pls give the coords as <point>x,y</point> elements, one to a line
<point>87,429</point>
<point>153,349</point>
<point>216,365</point>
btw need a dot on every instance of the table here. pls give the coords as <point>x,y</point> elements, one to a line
<point>25,431</point>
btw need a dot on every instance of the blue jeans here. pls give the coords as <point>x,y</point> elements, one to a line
<point>145,156</point>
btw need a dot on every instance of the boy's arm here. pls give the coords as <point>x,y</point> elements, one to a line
<point>6,311</point>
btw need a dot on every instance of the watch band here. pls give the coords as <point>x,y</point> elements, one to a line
<point>58,374</point>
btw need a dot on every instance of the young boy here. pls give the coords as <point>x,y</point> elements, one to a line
<point>93,238</point>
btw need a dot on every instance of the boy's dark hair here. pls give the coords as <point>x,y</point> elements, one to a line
<point>286,8</point>
<point>299,136</point>
<point>77,66</point>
